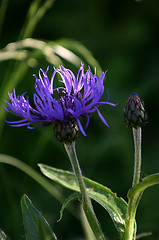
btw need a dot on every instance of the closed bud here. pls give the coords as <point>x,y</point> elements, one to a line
<point>66,131</point>
<point>134,112</point>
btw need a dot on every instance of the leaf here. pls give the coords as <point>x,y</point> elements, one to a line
<point>34,15</point>
<point>81,51</point>
<point>3,236</point>
<point>67,201</point>
<point>115,206</point>
<point>36,226</point>
<point>148,181</point>
<point>143,235</point>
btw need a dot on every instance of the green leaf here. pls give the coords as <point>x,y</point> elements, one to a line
<point>67,201</point>
<point>115,206</point>
<point>81,51</point>
<point>148,181</point>
<point>34,15</point>
<point>3,236</point>
<point>143,235</point>
<point>36,226</point>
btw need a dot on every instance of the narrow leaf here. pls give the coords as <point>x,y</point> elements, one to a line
<point>80,51</point>
<point>36,226</point>
<point>147,182</point>
<point>115,206</point>
<point>143,235</point>
<point>67,201</point>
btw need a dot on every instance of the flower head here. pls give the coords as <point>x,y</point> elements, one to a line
<point>76,97</point>
<point>134,113</point>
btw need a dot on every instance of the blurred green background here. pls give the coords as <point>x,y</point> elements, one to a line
<point>123,37</point>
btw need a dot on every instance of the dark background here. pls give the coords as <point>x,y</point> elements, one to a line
<point>123,37</point>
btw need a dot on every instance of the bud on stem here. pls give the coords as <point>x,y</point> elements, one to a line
<point>134,112</point>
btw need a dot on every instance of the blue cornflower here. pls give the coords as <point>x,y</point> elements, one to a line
<point>76,97</point>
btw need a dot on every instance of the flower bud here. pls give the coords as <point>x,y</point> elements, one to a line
<point>134,113</point>
<point>66,131</point>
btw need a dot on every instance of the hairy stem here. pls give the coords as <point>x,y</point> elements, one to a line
<point>130,228</point>
<point>70,149</point>
<point>137,155</point>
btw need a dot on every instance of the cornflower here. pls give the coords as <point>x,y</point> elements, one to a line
<point>76,97</point>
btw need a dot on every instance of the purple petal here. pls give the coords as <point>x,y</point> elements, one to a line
<point>80,127</point>
<point>102,118</point>
<point>87,121</point>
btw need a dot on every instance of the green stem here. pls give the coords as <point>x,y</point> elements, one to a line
<point>130,228</point>
<point>137,156</point>
<point>130,225</point>
<point>70,149</point>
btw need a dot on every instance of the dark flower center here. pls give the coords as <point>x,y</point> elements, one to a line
<point>66,131</point>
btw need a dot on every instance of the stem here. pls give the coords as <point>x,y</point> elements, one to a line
<point>137,157</point>
<point>70,149</point>
<point>130,225</point>
<point>89,235</point>
<point>130,229</point>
